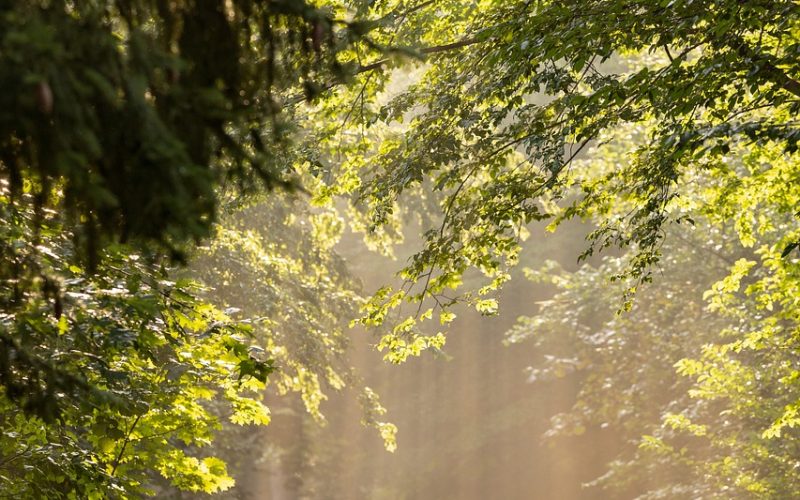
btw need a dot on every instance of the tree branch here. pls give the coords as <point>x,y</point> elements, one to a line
<point>381,62</point>
<point>124,445</point>
<point>407,12</point>
<point>766,67</point>
<point>781,78</point>
<point>426,50</point>
<point>11,458</point>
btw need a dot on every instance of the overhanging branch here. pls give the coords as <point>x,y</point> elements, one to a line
<point>766,67</point>
<point>373,66</point>
<point>426,50</point>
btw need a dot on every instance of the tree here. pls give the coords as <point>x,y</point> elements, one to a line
<point>125,127</point>
<point>486,138</point>
<point>499,115</point>
<point>128,115</point>
<point>125,124</point>
<point>706,319</point>
<point>105,374</point>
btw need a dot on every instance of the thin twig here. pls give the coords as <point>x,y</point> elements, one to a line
<point>125,444</point>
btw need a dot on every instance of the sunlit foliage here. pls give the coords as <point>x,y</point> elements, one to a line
<point>513,92</point>
<point>124,124</point>
<point>106,374</point>
<point>697,375</point>
<point>700,99</point>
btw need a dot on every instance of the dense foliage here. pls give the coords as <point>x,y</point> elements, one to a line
<point>700,99</point>
<point>127,125</point>
<point>134,112</point>
<point>495,121</point>
<point>124,126</point>
<point>698,375</point>
<point>105,374</point>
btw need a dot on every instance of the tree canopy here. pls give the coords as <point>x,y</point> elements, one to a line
<point>131,131</point>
